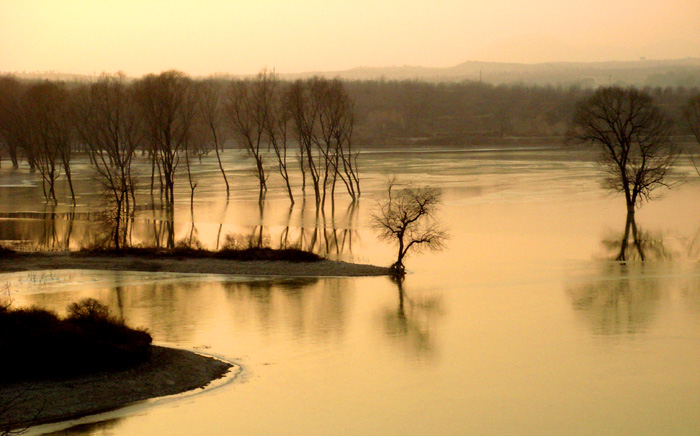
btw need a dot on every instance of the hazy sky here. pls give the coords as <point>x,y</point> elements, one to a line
<point>242,36</point>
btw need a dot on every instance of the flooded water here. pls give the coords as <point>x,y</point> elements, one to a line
<point>525,324</point>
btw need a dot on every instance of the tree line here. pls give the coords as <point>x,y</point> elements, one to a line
<point>395,112</point>
<point>173,119</point>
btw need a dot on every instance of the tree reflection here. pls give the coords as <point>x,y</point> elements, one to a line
<point>635,244</point>
<point>326,237</point>
<point>618,301</point>
<point>411,323</point>
<point>91,428</point>
<point>301,306</point>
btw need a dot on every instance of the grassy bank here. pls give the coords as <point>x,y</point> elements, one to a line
<point>37,344</point>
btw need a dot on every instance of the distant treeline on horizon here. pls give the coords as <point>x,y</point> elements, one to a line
<point>468,112</point>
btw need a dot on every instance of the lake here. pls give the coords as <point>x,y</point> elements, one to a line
<point>525,324</point>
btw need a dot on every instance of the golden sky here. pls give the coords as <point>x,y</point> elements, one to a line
<point>242,36</point>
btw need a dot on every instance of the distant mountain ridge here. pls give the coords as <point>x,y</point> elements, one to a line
<point>669,72</point>
<point>665,72</point>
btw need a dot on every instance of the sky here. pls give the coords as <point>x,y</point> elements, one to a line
<point>205,37</point>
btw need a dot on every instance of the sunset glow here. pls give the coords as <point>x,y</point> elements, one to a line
<point>243,36</point>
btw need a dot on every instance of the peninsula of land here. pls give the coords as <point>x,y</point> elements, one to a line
<point>167,371</point>
<point>34,261</point>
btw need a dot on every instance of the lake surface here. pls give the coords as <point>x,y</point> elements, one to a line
<point>523,325</point>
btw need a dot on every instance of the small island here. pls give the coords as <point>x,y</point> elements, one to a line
<point>249,261</point>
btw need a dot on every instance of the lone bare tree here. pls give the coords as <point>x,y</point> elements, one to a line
<point>634,138</point>
<point>407,218</point>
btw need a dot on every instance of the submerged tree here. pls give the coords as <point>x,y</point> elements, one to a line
<point>634,137</point>
<point>211,118</point>
<point>278,129</point>
<point>48,131</point>
<point>109,126</point>
<point>322,118</point>
<point>691,113</point>
<point>407,218</point>
<point>12,134</point>
<point>168,107</point>
<point>249,106</point>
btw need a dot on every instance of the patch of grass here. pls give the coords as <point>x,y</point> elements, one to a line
<point>184,252</point>
<point>269,254</point>
<point>37,344</point>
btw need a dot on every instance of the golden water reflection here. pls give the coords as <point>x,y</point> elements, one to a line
<point>621,299</point>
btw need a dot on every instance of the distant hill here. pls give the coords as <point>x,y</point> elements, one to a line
<point>672,72</point>
<point>641,73</point>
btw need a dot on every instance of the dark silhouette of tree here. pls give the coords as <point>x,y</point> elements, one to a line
<point>107,122</point>
<point>167,106</point>
<point>211,117</point>
<point>322,115</point>
<point>48,133</point>
<point>303,110</point>
<point>278,129</point>
<point>634,137</point>
<point>407,218</point>
<point>12,134</point>
<point>248,108</point>
<point>691,113</point>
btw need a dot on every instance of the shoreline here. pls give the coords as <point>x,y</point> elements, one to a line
<point>35,261</point>
<point>168,371</point>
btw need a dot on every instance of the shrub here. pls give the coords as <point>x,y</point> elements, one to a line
<point>42,345</point>
<point>88,308</point>
<point>250,254</point>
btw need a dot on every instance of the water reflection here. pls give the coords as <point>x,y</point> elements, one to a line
<point>177,308</point>
<point>620,300</point>
<point>93,428</point>
<point>304,307</point>
<point>411,323</point>
<point>50,229</point>
<point>636,244</point>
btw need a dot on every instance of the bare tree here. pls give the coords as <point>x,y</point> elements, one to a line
<point>12,134</point>
<point>278,128</point>
<point>634,137</point>
<point>248,108</point>
<point>691,113</point>
<point>323,119</point>
<point>45,129</point>
<point>303,110</point>
<point>167,104</point>
<point>108,124</point>
<point>210,103</point>
<point>407,218</point>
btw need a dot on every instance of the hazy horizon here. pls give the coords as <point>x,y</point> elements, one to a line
<point>214,36</point>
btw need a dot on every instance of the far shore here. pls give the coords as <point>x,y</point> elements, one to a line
<point>168,371</point>
<point>34,261</point>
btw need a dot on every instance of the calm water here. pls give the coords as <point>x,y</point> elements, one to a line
<point>523,325</point>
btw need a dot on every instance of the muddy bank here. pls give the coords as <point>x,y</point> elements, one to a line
<point>168,371</point>
<point>42,261</point>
